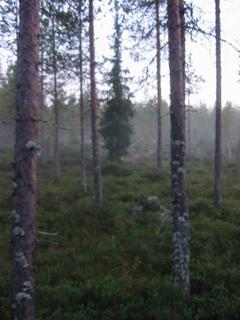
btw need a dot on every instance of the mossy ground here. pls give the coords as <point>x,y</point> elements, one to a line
<point>108,263</point>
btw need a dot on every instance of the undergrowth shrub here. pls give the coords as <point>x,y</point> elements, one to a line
<point>115,298</point>
<point>117,170</point>
<point>111,262</point>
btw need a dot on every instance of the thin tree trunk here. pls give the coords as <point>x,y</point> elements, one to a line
<point>2,144</point>
<point>189,142</point>
<point>42,131</point>
<point>238,153</point>
<point>81,107</point>
<point>95,138</point>
<point>217,169</point>
<point>16,4</point>
<point>56,109</point>
<point>1,135</point>
<point>24,195</point>
<point>159,95</point>
<point>181,255</point>
<point>183,43</point>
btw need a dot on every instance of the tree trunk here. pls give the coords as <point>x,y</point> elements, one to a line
<point>159,95</point>
<point>238,153</point>
<point>81,106</point>
<point>217,169</point>
<point>42,131</point>
<point>23,216</point>
<point>55,95</point>
<point>181,255</point>
<point>189,142</point>
<point>1,135</point>
<point>16,5</point>
<point>183,43</point>
<point>95,138</point>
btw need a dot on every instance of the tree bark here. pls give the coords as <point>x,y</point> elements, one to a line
<point>181,255</point>
<point>23,216</point>
<point>183,43</point>
<point>81,106</point>
<point>55,97</point>
<point>159,93</point>
<point>1,135</point>
<point>189,142</point>
<point>218,124</point>
<point>95,138</point>
<point>42,131</point>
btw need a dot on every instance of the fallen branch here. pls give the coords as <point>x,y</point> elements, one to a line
<point>44,233</point>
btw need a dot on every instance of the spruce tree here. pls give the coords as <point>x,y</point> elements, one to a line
<point>115,124</point>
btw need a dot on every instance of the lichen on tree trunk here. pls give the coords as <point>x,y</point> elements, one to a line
<point>181,255</point>
<point>23,216</point>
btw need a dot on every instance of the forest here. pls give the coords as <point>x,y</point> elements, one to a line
<point>119,190</point>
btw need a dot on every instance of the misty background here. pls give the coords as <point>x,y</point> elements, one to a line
<point>200,121</point>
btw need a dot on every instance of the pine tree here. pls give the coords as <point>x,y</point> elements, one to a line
<point>81,97</point>
<point>217,168</point>
<point>55,93</point>
<point>55,42</point>
<point>149,34</point>
<point>159,87</point>
<point>73,19</point>
<point>24,194</point>
<point>94,110</point>
<point>42,88</point>
<point>181,255</point>
<point>116,128</point>
<point>9,24</point>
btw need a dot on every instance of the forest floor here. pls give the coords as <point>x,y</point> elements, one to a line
<point>113,262</point>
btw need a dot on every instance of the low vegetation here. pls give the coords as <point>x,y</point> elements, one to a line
<point>114,261</point>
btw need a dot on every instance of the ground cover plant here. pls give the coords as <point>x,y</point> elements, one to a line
<point>113,261</point>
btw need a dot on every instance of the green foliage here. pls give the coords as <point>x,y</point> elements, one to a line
<point>111,262</point>
<point>116,128</point>
<point>7,94</point>
<point>117,170</point>
<point>115,124</point>
<point>115,298</point>
<point>221,304</point>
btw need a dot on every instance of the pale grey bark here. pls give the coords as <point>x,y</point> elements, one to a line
<point>189,141</point>
<point>159,89</point>
<point>181,254</point>
<point>218,124</point>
